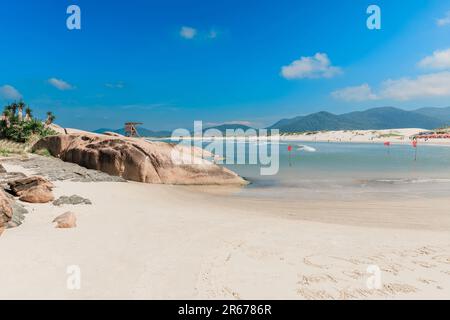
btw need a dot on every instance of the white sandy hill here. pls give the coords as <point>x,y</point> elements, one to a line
<point>362,136</point>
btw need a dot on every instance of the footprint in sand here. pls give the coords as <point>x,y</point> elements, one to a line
<point>355,261</point>
<point>442,259</point>
<point>308,261</point>
<point>316,278</point>
<point>424,264</point>
<point>354,274</point>
<point>396,288</point>
<point>309,294</point>
<point>426,281</point>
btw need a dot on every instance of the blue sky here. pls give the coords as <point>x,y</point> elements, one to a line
<point>168,63</point>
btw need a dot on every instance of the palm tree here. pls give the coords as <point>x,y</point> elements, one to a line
<point>28,114</point>
<point>50,118</point>
<point>9,108</point>
<point>6,115</point>
<point>20,107</point>
<point>13,109</point>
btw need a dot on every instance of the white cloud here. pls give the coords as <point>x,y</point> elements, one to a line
<point>165,106</point>
<point>318,66</point>
<point>188,32</point>
<point>358,93</point>
<point>439,60</point>
<point>8,92</point>
<point>60,84</point>
<point>212,34</point>
<point>118,85</point>
<point>444,21</point>
<point>424,86</point>
<point>236,122</point>
<point>428,85</point>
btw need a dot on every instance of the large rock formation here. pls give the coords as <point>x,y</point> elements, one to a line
<point>113,134</point>
<point>138,160</point>
<point>6,211</point>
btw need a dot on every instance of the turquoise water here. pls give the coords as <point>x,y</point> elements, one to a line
<point>349,171</point>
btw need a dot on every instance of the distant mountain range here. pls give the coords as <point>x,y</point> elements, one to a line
<point>224,127</point>
<point>143,132</point>
<point>372,119</point>
<point>438,113</point>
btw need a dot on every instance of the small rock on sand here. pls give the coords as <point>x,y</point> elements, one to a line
<point>66,221</point>
<point>38,194</point>
<point>6,211</point>
<point>18,216</point>
<point>73,200</point>
<point>23,185</point>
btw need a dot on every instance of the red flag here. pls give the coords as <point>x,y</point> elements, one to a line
<point>289,148</point>
<point>414,143</point>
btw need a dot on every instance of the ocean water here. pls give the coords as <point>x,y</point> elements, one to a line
<point>348,171</point>
<point>352,171</point>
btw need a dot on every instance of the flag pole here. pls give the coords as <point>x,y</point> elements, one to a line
<point>290,151</point>
<point>414,143</point>
<point>388,145</point>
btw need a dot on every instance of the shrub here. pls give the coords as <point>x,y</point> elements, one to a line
<point>43,152</point>
<point>4,152</point>
<point>22,131</point>
<point>13,127</point>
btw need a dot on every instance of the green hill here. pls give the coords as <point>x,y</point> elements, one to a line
<point>372,119</point>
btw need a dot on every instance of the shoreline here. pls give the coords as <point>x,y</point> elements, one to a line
<point>393,136</point>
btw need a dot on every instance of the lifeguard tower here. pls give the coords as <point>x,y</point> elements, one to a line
<point>131,129</point>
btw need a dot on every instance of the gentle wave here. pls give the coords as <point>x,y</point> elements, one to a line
<point>405,181</point>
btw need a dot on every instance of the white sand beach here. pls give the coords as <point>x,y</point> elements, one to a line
<point>394,136</point>
<point>363,136</point>
<point>224,150</point>
<point>142,241</point>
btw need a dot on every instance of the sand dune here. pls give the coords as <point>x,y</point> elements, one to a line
<point>363,136</point>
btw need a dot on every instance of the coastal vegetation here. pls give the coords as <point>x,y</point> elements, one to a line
<point>23,128</point>
<point>390,135</point>
<point>43,152</point>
